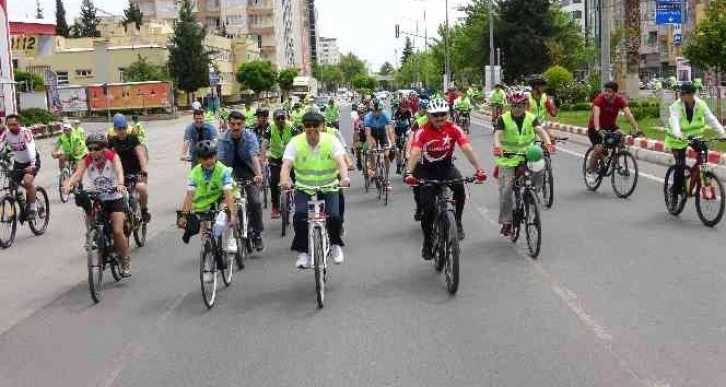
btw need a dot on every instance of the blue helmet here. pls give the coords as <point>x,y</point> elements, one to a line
<point>119,121</point>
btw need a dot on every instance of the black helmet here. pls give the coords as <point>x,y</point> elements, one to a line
<point>262,112</point>
<point>205,148</point>
<point>376,104</point>
<point>687,87</point>
<point>314,117</point>
<point>279,113</point>
<point>98,139</point>
<point>536,81</point>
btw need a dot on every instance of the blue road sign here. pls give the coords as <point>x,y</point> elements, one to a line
<point>213,80</point>
<point>668,14</point>
<point>677,39</point>
<point>668,2</point>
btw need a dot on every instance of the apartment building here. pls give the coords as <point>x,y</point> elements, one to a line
<point>328,51</point>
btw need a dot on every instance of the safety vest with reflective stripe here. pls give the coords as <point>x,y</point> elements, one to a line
<point>279,137</point>
<point>515,141</point>
<point>207,192</point>
<point>539,110</point>
<point>695,127</point>
<point>314,171</point>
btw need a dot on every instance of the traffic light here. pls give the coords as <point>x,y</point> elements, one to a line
<point>398,31</point>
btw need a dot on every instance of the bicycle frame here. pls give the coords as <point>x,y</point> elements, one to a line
<point>317,219</point>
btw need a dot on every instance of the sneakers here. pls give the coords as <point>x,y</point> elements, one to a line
<point>591,177</point>
<point>389,187</point>
<point>231,247</point>
<point>274,213</point>
<point>337,253</point>
<point>257,241</point>
<point>126,267</point>
<point>461,232</point>
<point>303,261</point>
<point>30,215</point>
<point>145,215</point>
<point>506,230</point>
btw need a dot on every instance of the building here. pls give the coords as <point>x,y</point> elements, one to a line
<point>576,10</point>
<point>328,52</point>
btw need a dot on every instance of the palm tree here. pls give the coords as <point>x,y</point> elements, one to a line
<point>632,46</point>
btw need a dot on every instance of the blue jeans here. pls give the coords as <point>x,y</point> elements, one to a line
<point>300,220</point>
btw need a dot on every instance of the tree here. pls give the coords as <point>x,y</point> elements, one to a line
<point>38,10</point>
<point>257,75</point>
<point>188,59</point>
<point>133,15</point>
<point>89,21</point>
<point>407,51</point>
<point>27,79</point>
<point>285,79</point>
<point>557,77</point>
<point>363,82</point>
<point>386,69</point>
<point>61,24</point>
<point>350,66</point>
<point>632,47</point>
<point>143,71</point>
<point>705,47</point>
<point>329,75</point>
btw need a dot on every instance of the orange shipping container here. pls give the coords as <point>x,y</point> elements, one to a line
<point>125,96</point>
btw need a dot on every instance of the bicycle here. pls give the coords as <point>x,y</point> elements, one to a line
<point>63,177</point>
<point>287,208</point>
<point>699,182</point>
<point>12,214</point>
<point>525,209</point>
<point>548,182</point>
<point>241,229</point>
<point>266,185</point>
<point>99,245</point>
<point>497,110</point>
<point>617,162</point>
<point>135,223</point>
<point>445,234</point>
<point>366,177</point>
<point>381,177</point>
<point>463,119</point>
<point>401,153</point>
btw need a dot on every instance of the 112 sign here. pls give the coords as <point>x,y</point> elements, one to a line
<point>24,43</point>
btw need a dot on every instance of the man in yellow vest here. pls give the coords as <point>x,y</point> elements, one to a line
<point>540,104</point>
<point>689,116</point>
<point>274,141</point>
<point>318,159</point>
<point>516,132</point>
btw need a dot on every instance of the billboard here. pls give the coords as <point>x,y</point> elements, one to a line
<point>73,99</point>
<point>126,96</point>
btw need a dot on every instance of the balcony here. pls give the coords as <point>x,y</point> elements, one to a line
<point>260,8</point>
<point>262,29</point>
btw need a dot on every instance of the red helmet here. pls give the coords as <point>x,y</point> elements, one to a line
<point>518,98</point>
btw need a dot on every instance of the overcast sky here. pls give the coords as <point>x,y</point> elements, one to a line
<point>364,27</point>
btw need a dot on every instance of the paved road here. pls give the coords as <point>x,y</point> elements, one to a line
<point>624,295</point>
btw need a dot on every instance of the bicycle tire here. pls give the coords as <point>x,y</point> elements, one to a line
<point>242,252</point>
<point>42,212</point>
<point>366,183</point>
<point>107,254</point>
<point>228,263</point>
<point>62,179</point>
<point>516,219</point>
<point>209,289</point>
<point>436,233</point>
<point>285,213</point>
<point>9,215</point>
<point>675,211</point>
<point>532,222</point>
<point>318,266</point>
<point>618,166</point>
<point>451,254</point>
<point>139,230</point>
<point>708,175</point>
<point>585,161</point>
<point>385,193</point>
<point>94,256</point>
<point>548,187</point>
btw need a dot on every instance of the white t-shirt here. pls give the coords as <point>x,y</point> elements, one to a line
<point>291,150</point>
<point>22,145</point>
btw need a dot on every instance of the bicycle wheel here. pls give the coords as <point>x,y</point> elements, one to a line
<point>8,221</point>
<point>62,179</point>
<point>548,184</point>
<point>591,186</point>
<point>242,252</point>
<point>680,201</point>
<point>709,199</point>
<point>451,253</point>
<point>386,192</point>
<point>532,225</point>
<point>285,212</point>
<point>437,237</point>
<point>227,264</point>
<point>40,223</point>
<point>94,254</point>
<point>517,217</point>
<point>625,174</point>
<point>208,274</point>
<point>139,229</point>
<point>319,266</point>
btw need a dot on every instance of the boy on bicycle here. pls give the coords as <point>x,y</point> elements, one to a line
<point>69,147</point>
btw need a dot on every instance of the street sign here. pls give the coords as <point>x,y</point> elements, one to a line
<point>666,13</point>
<point>213,79</point>
<point>679,2</point>
<point>677,39</point>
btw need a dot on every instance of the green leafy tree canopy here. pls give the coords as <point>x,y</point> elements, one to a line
<point>188,59</point>
<point>350,66</point>
<point>386,69</point>
<point>143,71</point>
<point>258,76</point>
<point>407,51</point>
<point>285,79</point>
<point>89,21</point>
<point>26,79</point>
<point>557,77</point>
<point>706,48</point>
<point>61,24</point>
<point>133,15</point>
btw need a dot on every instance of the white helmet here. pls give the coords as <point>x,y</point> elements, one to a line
<point>438,105</point>
<point>196,105</point>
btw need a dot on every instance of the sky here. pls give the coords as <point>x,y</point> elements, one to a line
<point>365,27</point>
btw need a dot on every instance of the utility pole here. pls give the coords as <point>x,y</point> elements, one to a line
<point>604,42</point>
<point>426,45</point>
<point>491,45</point>
<point>447,68</point>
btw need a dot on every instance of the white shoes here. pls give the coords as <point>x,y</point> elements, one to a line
<point>591,178</point>
<point>337,253</point>
<point>303,261</point>
<point>231,245</point>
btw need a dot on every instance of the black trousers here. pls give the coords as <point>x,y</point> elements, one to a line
<point>427,195</point>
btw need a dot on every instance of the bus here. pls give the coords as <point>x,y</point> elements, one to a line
<point>302,86</point>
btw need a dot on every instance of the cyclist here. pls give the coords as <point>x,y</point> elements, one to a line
<point>414,102</point>
<point>402,117</point>
<point>275,139</point>
<point>332,114</point>
<point>129,150</point>
<point>432,158</point>
<point>516,131</point>
<point>261,125</point>
<point>239,149</point>
<point>421,120</point>
<point>69,147</point>
<point>209,183</point>
<point>248,112</point>
<point>462,106</point>
<point>318,159</point>
<point>287,105</point>
<point>140,131</point>
<point>78,130</point>
<point>26,163</point>
<point>605,109</point>
<point>197,131</point>
<point>497,100</point>
<point>296,115</point>
<point>689,116</point>
<point>539,103</point>
<point>377,124</point>
<point>105,172</point>
<point>359,135</point>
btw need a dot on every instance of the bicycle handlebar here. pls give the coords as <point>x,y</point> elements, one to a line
<point>446,182</point>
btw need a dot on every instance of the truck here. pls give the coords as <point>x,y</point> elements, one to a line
<point>302,86</point>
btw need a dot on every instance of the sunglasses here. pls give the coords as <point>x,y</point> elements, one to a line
<point>94,148</point>
<point>519,105</point>
<point>439,115</point>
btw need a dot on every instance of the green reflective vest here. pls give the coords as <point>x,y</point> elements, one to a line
<point>279,139</point>
<point>296,117</point>
<point>538,108</point>
<point>462,103</point>
<point>209,118</point>
<point>80,132</point>
<point>515,141</point>
<point>140,132</point>
<point>421,119</point>
<point>207,192</point>
<point>250,116</point>
<point>695,127</point>
<point>498,97</point>
<point>72,146</point>
<point>314,171</point>
<point>332,114</point>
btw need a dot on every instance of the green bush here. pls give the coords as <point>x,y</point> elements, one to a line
<point>557,77</point>
<point>37,116</point>
<point>25,79</point>
<point>640,112</point>
<point>573,93</point>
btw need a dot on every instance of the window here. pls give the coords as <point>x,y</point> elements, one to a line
<point>84,73</point>
<point>121,75</point>
<point>652,37</point>
<point>576,15</point>
<point>62,78</point>
<point>576,1</point>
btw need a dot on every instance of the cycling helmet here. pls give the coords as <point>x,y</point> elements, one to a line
<point>518,98</point>
<point>687,87</point>
<point>279,113</point>
<point>537,81</point>
<point>296,105</point>
<point>438,105</point>
<point>376,104</point>
<point>196,105</point>
<point>205,148</point>
<point>97,138</point>
<point>533,153</point>
<point>264,112</point>
<point>67,126</point>
<point>119,121</point>
<point>313,116</point>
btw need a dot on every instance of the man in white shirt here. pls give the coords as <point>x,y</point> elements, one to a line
<point>26,160</point>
